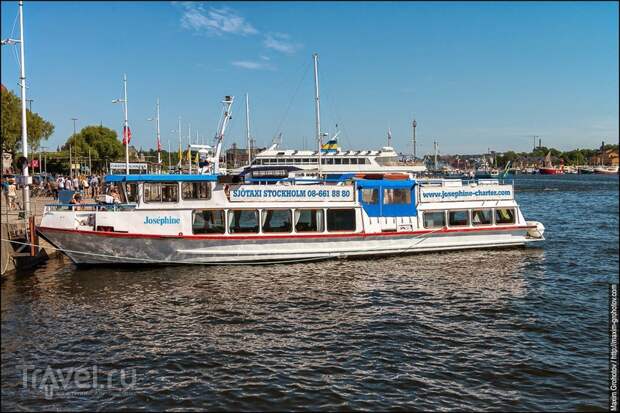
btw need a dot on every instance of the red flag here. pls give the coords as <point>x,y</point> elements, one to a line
<point>126,135</point>
<point>158,145</point>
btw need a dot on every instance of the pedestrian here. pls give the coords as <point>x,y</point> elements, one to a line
<point>5,191</point>
<point>54,187</point>
<point>76,183</point>
<point>94,184</point>
<point>68,184</point>
<point>61,183</point>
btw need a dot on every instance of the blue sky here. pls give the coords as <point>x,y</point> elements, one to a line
<point>474,75</point>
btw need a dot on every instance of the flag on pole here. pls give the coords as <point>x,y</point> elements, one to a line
<point>158,145</point>
<point>189,155</point>
<point>180,155</point>
<point>126,135</point>
<point>197,158</point>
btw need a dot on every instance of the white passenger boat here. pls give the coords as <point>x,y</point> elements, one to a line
<point>384,160</point>
<point>209,219</point>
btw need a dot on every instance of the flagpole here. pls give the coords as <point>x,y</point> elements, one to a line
<point>180,148</point>
<point>319,136</point>
<point>189,146</point>
<point>158,138</point>
<point>247,127</point>
<point>126,128</point>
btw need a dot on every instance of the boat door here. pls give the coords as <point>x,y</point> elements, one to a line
<point>389,204</point>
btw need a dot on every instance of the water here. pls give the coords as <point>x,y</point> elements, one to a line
<point>516,329</point>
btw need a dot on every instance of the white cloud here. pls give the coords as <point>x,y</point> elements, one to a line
<point>217,21</point>
<point>281,42</point>
<point>252,65</point>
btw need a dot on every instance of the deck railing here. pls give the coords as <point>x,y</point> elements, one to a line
<point>90,207</point>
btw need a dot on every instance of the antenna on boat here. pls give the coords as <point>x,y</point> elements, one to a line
<point>226,116</point>
<point>319,136</point>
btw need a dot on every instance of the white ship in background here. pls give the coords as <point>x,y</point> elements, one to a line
<point>329,159</point>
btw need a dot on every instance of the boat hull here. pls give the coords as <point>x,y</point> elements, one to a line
<point>89,247</point>
<point>551,171</point>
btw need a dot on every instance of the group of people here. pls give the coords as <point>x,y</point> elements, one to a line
<point>88,185</point>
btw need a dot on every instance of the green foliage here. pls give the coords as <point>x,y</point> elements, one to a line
<point>103,143</point>
<point>38,128</point>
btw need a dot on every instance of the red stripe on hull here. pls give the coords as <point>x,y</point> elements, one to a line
<point>287,236</point>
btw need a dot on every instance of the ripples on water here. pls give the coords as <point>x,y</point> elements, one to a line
<point>518,329</point>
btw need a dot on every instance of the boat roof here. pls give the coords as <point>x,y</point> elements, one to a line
<point>160,178</point>
<point>386,183</point>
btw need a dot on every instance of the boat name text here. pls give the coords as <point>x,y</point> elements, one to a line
<point>162,220</point>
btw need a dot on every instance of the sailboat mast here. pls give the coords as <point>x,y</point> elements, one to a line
<point>319,136</point>
<point>247,127</point>
<point>158,137</point>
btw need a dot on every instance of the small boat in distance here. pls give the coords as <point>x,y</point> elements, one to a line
<point>549,169</point>
<point>606,170</point>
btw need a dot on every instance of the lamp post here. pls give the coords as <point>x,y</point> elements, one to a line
<point>22,84</point>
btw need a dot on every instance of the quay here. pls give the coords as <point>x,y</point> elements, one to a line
<point>16,251</point>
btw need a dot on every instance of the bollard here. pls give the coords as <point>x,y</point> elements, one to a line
<point>32,236</point>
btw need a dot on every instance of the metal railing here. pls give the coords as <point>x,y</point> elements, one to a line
<point>89,207</point>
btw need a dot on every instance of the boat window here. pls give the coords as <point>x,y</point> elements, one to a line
<point>298,160</point>
<point>338,161</point>
<point>370,195</point>
<point>353,161</point>
<point>132,192</point>
<point>161,192</point>
<point>281,161</point>
<point>309,220</point>
<point>277,220</point>
<point>341,219</point>
<point>436,219</point>
<point>208,221</point>
<point>504,216</point>
<point>196,190</point>
<point>481,217</point>
<point>306,160</point>
<point>345,161</point>
<point>242,220</point>
<point>396,196</point>
<point>458,218</point>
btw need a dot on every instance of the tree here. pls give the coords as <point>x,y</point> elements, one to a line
<point>102,142</point>
<point>38,128</point>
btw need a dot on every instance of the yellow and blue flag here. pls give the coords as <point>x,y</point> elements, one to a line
<point>330,146</point>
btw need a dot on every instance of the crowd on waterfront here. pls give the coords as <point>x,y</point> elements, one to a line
<point>80,186</point>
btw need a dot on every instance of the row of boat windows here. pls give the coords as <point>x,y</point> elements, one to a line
<point>169,191</point>
<point>214,221</point>
<point>462,218</point>
<point>390,196</point>
<point>308,161</point>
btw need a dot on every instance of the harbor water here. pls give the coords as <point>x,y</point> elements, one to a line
<point>511,329</point>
